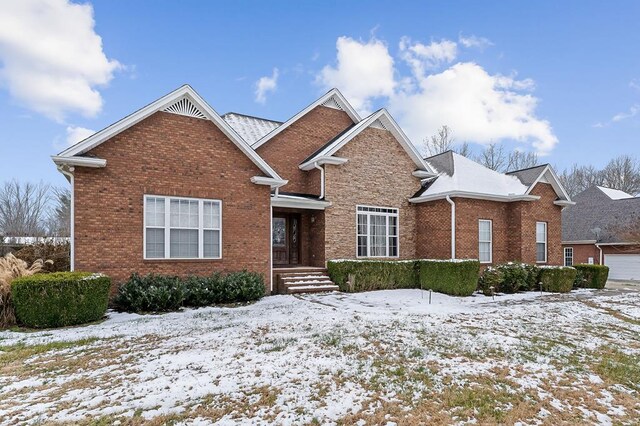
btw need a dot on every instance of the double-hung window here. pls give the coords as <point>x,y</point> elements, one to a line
<point>541,242</point>
<point>568,256</point>
<point>377,232</point>
<point>485,241</point>
<point>182,228</point>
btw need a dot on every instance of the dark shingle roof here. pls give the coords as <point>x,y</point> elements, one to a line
<point>595,216</point>
<point>442,162</point>
<point>529,175</point>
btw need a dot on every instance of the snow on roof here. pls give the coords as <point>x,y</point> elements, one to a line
<point>465,175</point>
<point>250,128</point>
<point>614,194</point>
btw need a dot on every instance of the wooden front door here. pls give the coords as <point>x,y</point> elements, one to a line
<point>286,239</point>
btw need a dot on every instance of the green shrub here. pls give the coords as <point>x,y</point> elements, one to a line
<point>241,286</point>
<point>557,279</point>
<point>150,293</point>
<point>60,299</point>
<point>373,274</point>
<point>591,276</point>
<point>456,278</point>
<point>533,272</point>
<point>514,277</point>
<point>161,293</point>
<point>490,280</point>
<point>203,291</point>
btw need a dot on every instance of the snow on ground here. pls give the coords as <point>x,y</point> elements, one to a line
<point>367,358</point>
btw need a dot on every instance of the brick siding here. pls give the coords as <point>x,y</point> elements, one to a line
<point>173,155</point>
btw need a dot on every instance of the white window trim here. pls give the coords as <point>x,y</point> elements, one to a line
<point>396,215</point>
<point>490,240</point>
<point>167,228</point>
<point>546,247</point>
<point>565,255</point>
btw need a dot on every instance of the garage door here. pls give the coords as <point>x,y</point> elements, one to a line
<point>623,266</point>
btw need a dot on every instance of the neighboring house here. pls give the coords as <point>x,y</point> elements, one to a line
<point>176,188</point>
<point>595,229</point>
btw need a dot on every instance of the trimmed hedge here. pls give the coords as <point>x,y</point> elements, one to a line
<point>162,293</point>
<point>509,278</point>
<point>60,299</point>
<point>557,279</point>
<point>591,276</point>
<point>458,278</point>
<point>373,274</point>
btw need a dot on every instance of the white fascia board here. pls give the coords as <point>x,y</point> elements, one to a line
<point>393,127</point>
<point>578,242</point>
<point>321,160</point>
<point>555,183</point>
<point>274,183</point>
<point>564,203</point>
<point>298,203</point>
<point>185,91</point>
<point>79,161</point>
<point>631,243</point>
<point>423,174</point>
<point>355,117</point>
<point>473,195</point>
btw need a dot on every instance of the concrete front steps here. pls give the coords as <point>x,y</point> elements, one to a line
<point>303,280</point>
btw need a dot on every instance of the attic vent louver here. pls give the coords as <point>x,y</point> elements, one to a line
<point>378,125</point>
<point>185,107</point>
<point>332,103</point>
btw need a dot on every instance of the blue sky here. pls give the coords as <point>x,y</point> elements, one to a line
<point>562,78</point>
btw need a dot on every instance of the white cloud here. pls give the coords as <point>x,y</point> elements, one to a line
<point>52,58</point>
<point>364,71</point>
<point>432,55</point>
<point>265,85</point>
<point>76,134</point>
<point>473,41</point>
<point>480,107</point>
<point>635,84</point>
<point>621,116</point>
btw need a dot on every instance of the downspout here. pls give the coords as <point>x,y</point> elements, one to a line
<point>69,174</point>
<point>600,248</point>
<point>321,179</point>
<point>453,227</point>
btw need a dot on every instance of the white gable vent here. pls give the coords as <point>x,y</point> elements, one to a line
<point>332,103</point>
<point>185,107</point>
<point>378,125</point>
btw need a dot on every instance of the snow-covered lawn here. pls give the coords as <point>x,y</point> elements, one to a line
<point>369,358</point>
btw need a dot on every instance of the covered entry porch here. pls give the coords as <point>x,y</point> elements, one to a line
<point>297,244</point>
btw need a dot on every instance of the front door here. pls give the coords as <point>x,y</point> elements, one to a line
<point>286,239</point>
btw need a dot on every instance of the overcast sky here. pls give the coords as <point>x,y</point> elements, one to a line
<point>558,78</point>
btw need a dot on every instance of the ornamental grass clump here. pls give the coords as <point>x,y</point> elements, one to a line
<point>11,268</point>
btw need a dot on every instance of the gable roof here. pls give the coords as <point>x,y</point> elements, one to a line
<point>250,128</point>
<point>597,217</point>
<point>332,99</point>
<point>462,177</point>
<point>379,119</point>
<point>542,173</point>
<point>184,101</point>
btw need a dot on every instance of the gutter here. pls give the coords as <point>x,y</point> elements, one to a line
<point>315,165</point>
<point>601,256</point>
<point>473,195</point>
<point>69,174</point>
<point>453,227</point>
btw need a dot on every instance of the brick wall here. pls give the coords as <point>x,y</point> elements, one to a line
<point>514,227</point>
<point>378,173</point>
<point>169,154</point>
<point>293,145</point>
<point>582,253</point>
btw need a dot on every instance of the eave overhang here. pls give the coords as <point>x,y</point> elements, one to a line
<point>272,182</point>
<point>294,202</point>
<point>319,161</point>
<point>73,161</point>
<point>473,195</point>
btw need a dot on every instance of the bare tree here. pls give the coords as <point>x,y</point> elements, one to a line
<point>464,150</point>
<point>23,208</point>
<point>622,173</point>
<point>59,220</point>
<point>493,157</point>
<point>438,143</point>
<point>518,160</point>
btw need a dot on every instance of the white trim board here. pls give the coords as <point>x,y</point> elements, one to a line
<point>183,92</point>
<point>332,96</point>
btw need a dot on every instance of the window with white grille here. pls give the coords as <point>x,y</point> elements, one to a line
<point>541,242</point>
<point>485,241</point>
<point>377,232</point>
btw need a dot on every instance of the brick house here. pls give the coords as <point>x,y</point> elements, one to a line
<point>177,188</point>
<point>596,230</point>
